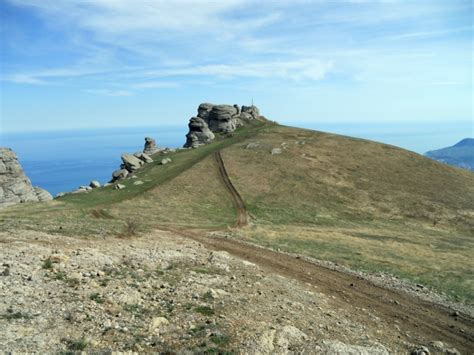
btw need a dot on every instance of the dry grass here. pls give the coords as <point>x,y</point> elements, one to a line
<point>359,203</point>
<point>334,180</point>
<point>356,202</point>
<point>196,198</point>
<point>437,258</point>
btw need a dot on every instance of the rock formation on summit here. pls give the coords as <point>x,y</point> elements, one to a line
<point>223,119</point>
<point>15,187</point>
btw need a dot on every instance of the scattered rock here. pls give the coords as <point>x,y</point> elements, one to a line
<point>119,174</point>
<point>338,347</point>
<point>138,182</point>
<point>253,145</point>
<point>94,184</point>
<point>119,187</point>
<point>143,157</point>
<point>165,161</point>
<point>276,151</point>
<point>158,322</point>
<point>289,336</point>
<point>420,350</point>
<point>131,162</point>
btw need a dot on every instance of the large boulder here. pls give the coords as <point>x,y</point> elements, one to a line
<point>131,162</point>
<point>150,146</point>
<point>15,187</point>
<point>199,133</point>
<point>223,119</point>
<point>42,194</point>
<point>119,174</point>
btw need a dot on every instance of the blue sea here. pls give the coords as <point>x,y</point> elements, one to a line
<point>63,160</point>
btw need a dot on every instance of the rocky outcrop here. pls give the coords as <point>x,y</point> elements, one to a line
<point>131,162</point>
<point>199,133</point>
<point>222,119</point>
<point>15,187</point>
<point>150,146</point>
<point>143,157</point>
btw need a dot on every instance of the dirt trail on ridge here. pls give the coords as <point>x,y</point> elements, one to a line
<point>242,216</point>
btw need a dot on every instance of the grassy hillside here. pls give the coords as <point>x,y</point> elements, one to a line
<point>359,203</point>
<point>355,202</point>
<point>186,193</point>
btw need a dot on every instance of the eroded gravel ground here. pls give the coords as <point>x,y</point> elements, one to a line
<point>162,292</point>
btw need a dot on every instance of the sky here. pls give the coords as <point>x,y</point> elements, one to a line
<point>119,63</point>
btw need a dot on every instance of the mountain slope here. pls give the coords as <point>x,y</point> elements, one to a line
<point>359,203</point>
<point>461,154</point>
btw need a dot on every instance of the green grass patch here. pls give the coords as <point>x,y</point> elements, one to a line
<point>205,310</point>
<point>47,264</point>
<point>76,345</point>
<point>96,297</point>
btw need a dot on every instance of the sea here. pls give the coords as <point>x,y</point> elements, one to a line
<point>61,161</point>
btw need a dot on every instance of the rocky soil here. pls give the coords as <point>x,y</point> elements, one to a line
<point>163,292</point>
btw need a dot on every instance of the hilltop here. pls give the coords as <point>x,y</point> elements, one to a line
<point>461,154</point>
<point>309,220</point>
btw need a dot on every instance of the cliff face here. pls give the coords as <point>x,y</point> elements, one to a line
<point>15,187</point>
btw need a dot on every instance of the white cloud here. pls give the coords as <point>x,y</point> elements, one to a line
<point>302,69</point>
<point>108,92</point>
<point>154,85</point>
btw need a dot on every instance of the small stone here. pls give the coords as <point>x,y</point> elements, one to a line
<point>94,184</point>
<point>276,151</point>
<point>420,350</point>
<point>119,187</point>
<point>158,322</point>
<point>138,182</point>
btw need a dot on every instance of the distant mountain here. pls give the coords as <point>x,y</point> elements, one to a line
<point>460,154</point>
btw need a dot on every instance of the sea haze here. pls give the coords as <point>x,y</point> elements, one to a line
<point>61,161</point>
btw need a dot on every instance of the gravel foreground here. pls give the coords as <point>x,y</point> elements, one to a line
<point>166,293</point>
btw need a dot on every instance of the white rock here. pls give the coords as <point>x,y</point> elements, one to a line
<point>158,322</point>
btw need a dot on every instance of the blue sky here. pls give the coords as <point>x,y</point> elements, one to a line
<point>99,63</point>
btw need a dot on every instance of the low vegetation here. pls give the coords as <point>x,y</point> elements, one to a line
<point>359,203</point>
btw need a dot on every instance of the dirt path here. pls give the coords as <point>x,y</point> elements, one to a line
<point>421,321</point>
<point>242,216</point>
